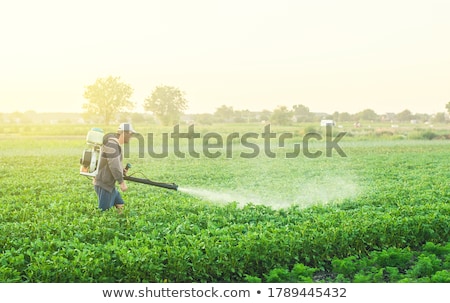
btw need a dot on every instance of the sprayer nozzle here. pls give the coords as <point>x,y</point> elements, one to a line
<point>150,182</point>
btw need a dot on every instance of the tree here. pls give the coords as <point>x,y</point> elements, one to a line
<point>345,117</point>
<point>265,115</point>
<point>422,117</point>
<point>282,115</point>
<point>167,103</point>
<point>224,113</point>
<point>367,115</point>
<point>241,116</point>
<point>405,115</point>
<point>439,118</point>
<point>301,113</point>
<point>106,98</point>
<point>336,116</point>
<point>447,106</point>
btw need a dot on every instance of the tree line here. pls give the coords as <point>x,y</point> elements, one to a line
<point>109,99</point>
<point>300,113</point>
<point>109,96</point>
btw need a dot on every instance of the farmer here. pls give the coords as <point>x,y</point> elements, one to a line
<point>111,169</point>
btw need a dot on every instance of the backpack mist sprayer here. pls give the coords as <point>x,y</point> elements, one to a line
<point>92,156</point>
<point>90,160</point>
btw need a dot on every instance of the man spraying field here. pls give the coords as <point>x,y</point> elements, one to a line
<point>111,169</point>
<point>102,161</point>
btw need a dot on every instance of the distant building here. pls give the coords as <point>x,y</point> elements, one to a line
<point>327,123</point>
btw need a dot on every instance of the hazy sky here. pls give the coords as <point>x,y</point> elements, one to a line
<point>342,55</point>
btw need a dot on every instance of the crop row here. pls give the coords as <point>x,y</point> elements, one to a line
<point>429,264</point>
<point>182,242</point>
<point>51,230</point>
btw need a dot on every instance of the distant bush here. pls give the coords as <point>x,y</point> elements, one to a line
<point>422,135</point>
<point>310,129</point>
<point>381,133</point>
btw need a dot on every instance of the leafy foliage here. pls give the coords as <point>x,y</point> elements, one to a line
<point>167,103</point>
<point>106,98</point>
<point>393,230</point>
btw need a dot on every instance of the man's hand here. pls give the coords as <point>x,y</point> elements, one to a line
<point>123,186</point>
<point>126,168</point>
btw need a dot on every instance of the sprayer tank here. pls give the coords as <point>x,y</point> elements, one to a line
<point>95,136</point>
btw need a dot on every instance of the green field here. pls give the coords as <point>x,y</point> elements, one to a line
<point>380,214</point>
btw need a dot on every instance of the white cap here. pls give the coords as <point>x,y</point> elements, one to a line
<point>126,127</point>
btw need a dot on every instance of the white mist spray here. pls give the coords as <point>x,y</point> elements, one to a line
<point>213,196</point>
<point>305,193</point>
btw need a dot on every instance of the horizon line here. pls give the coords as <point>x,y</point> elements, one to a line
<point>33,111</point>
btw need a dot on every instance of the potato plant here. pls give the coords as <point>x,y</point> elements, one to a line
<point>380,214</point>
